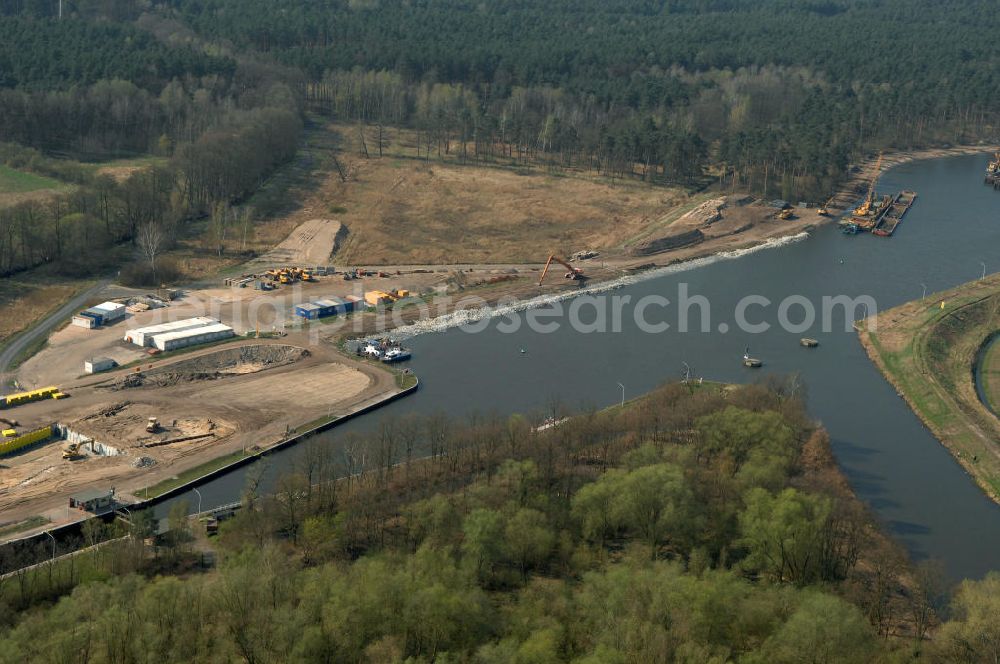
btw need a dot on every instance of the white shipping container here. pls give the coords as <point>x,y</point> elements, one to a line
<point>84,321</point>
<point>98,364</point>
<point>201,335</point>
<point>143,336</point>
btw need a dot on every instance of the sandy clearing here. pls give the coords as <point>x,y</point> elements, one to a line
<point>311,243</point>
<point>287,392</point>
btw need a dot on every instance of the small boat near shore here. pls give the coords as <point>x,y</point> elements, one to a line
<point>751,362</point>
<point>396,354</point>
<point>808,343</point>
<point>384,350</point>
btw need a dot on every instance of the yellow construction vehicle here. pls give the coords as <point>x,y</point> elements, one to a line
<point>72,452</point>
<point>824,211</point>
<point>785,214</point>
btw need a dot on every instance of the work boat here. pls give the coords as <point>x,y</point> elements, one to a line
<point>396,354</point>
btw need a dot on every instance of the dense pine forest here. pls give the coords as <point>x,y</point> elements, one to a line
<point>773,97</point>
<point>793,87</point>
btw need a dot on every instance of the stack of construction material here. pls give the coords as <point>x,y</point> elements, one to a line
<point>26,397</point>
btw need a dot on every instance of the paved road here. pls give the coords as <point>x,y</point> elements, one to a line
<point>43,328</point>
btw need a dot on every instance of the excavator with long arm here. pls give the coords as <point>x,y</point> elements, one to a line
<point>824,210</point>
<point>574,273</point>
<point>866,207</point>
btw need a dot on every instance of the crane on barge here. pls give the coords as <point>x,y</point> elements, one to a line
<point>865,208</point>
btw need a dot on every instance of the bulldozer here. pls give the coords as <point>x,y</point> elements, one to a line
<point>72,452</point>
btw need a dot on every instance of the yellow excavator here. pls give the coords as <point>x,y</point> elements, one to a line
<point>865,208</point>
<point>72,452</point>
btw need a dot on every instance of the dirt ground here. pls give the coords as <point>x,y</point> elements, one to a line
<point>311,243</point>
<point>229,398</point>
<point>402,210</point>
<point>399,212</point>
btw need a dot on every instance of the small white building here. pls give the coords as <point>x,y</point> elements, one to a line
<point>193,337</point>
<point>98,364</point>
<point>84,321</point>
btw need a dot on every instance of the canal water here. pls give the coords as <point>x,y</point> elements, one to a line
<point>896,466</point>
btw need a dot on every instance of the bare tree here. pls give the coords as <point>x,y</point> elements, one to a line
<point>245,220</point>
<point>150,240</point>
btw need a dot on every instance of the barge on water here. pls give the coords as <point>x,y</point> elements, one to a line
<point>881,217</point>
<point>893,216</point>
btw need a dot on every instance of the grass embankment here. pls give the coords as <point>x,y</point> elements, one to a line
<point>191,474</point>
<point>927,353</point>
<point>989,373</point>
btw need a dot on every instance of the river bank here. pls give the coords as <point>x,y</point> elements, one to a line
<point>490,300</point>
<point>927,350</point>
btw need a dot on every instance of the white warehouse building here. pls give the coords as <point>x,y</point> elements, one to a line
<point>143,336</point>
<point>192,337</point>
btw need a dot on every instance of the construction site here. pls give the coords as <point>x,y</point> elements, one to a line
<point>131,428</point>
<point>144,386</point>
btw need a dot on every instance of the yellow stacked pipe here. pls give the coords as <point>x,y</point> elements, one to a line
<point>24,440</point>
<point>26,397</point>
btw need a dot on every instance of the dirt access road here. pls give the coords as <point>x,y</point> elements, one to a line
<point>43,328</point>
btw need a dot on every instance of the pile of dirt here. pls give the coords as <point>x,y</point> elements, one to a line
<point>221,364</point>
<point>705,214</point>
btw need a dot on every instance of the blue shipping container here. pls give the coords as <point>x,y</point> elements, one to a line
<point>96,314</point>
<point>309,311</point>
